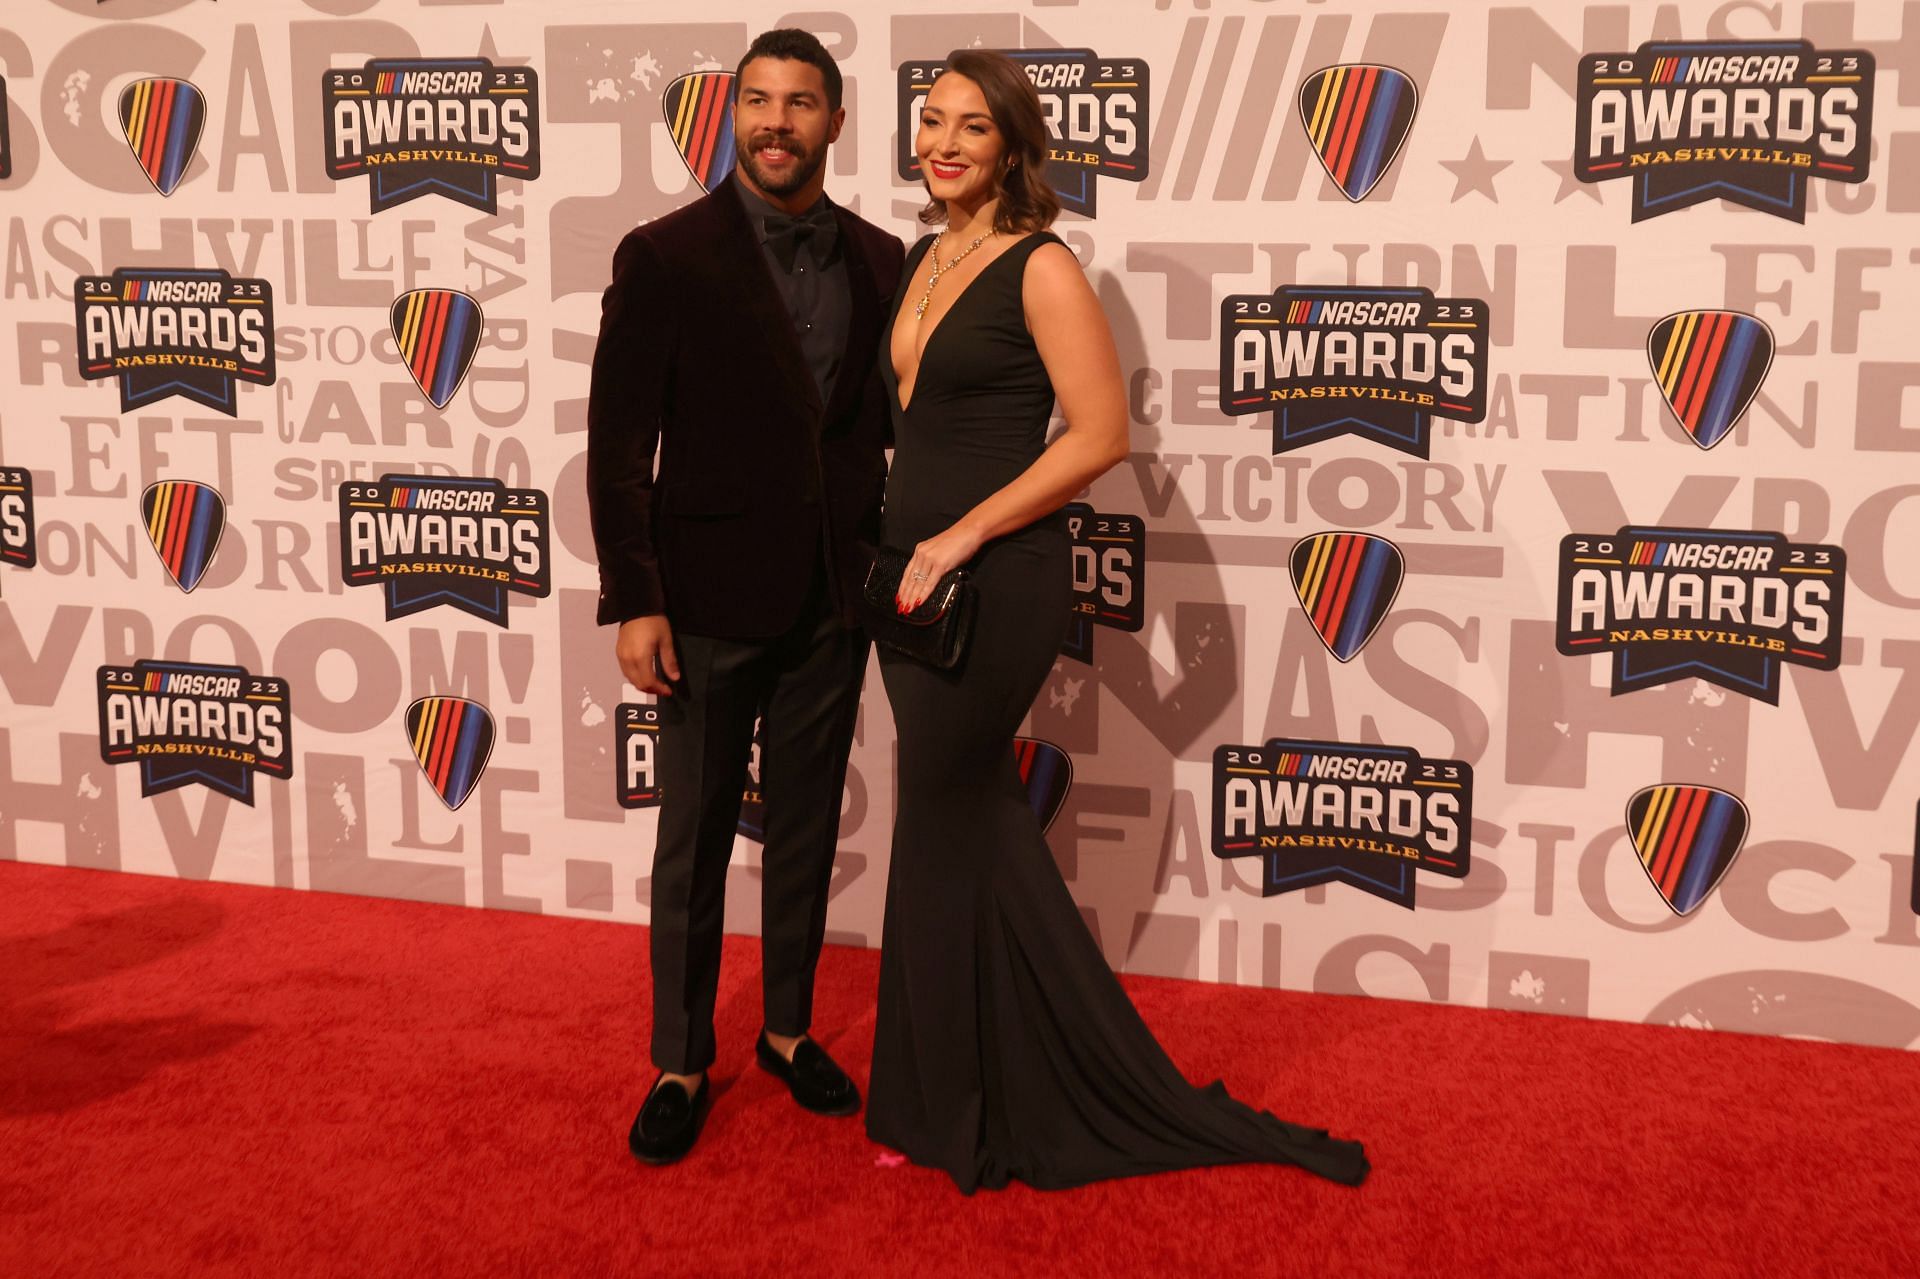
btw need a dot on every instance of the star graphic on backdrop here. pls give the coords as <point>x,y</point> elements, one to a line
<point>1563,169</point>
<point>491,51</point>
<point>1474,172</point>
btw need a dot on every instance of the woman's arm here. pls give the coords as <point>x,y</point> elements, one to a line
<point>1070,331</point>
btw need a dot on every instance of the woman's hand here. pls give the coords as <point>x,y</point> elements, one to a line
<point>933,559</point>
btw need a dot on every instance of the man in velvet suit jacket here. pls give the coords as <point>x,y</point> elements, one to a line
<point>735,465</point>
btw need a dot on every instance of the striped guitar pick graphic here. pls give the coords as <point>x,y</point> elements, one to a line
<point>1047,773</point>
<point>451,738</point>
<point>699,111</point>
<point>162,119</point>
<point>1357,115</point>
<point>1687,837</point>
<point>1346,583</point>
<point>184,521</point>
<point>437,331</point>
<point>1710,365</point>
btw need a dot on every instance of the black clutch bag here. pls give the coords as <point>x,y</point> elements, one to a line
<point>935,632</point>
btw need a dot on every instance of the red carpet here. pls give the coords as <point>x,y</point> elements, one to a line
<point>209,1079</point>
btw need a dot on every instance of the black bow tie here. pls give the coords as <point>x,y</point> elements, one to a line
<point>815,229</point>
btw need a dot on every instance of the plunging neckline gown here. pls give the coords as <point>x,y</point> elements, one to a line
<point>1005,1048</point>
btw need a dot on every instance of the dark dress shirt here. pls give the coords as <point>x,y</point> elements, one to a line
<point>809,267</point>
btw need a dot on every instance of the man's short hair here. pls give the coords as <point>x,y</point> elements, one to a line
<point>794,45</point>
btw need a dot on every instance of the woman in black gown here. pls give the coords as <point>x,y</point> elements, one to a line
<point>1005,1047</point>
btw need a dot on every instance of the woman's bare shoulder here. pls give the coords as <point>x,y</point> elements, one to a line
<point>1054,275</point>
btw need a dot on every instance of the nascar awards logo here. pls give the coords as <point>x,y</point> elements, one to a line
<point>452,738</point>
<point>187,722</point>
<point>161,119</point>
<point>1339,360</point>
<point>1356,116</point>
<point>699,111</point>
<point>1346,583</point>
<point>1326,812</point>
<point>1096,112</point>
<point>1674,603</point>
<point>166,332</point>
<point>432,126</point>
<point>1747,121</point>
<point>636,750</point>
<point>1046,771</point>
<point>17,541</point>
<point>437,332</point>
<point>1109,571</point>
<point>1687,838</point>
<point>432,540</point>
<point>184,520</point>
<point>636,745</point>
<point>1710,365</point>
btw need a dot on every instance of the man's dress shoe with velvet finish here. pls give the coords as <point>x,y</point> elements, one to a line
<point>669,1122</point>
<point>813,1078</point>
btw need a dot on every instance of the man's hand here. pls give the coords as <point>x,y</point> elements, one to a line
<point>644,647</point>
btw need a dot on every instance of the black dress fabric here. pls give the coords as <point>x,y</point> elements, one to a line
<point>1005,1047</point>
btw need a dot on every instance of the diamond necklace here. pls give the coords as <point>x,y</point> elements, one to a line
<point>920,308</point>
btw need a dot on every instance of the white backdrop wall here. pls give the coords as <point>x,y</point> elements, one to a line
<point>1812,931</point>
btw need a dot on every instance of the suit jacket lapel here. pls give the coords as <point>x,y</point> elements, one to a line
<point>863,318</point>
<point>759,297</point>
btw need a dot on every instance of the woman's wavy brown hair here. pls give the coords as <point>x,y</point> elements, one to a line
<point>1027,201</point>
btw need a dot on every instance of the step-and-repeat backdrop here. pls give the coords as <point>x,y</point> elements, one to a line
<point>1510,598</point>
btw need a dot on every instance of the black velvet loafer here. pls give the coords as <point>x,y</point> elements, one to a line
<point>668,1123</point>
<point>812,1077</point>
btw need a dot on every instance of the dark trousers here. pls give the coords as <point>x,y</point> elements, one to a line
<point>806,684</point>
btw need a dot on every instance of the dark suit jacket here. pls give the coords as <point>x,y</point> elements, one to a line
<point>698,362</point>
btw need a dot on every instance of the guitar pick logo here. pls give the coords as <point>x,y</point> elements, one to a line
<point>1346,583</point>
<point>1710,365</point>
<point>1047,773</point>
<point>184,521</point>
<point>437,331</point>
<point>1687,837</point>
<point>1357,115</point>
<point>162,118</point>
<point>699,111</point>
<point>451,738</point>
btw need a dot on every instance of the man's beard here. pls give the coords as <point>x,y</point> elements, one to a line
<point>805,166</point>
